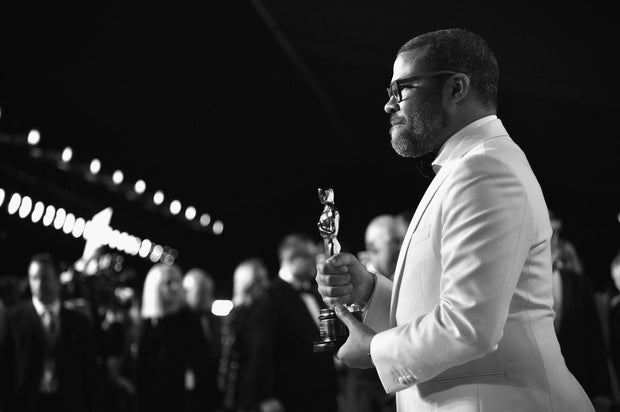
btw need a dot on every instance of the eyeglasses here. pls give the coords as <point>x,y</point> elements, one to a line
<point>396,87</point>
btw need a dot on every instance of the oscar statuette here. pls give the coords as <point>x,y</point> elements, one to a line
<point>333,333</point>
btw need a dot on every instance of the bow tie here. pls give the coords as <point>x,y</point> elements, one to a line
<point>424,164</point>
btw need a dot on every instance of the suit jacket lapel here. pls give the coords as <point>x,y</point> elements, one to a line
<point>413,225</point>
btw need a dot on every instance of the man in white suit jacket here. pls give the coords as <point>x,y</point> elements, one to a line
<point>467,323</point>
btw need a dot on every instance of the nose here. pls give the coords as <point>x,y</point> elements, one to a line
<point>391,106</point>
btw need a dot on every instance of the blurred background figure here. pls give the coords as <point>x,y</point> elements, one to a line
<point>614,319</point>
<point>404,218</point>
<point>284,373</point>
<point>6,380</point>
<point>383,238</point>
<point>104,290</point>
<point>249,284</point>
<point>172,350</point>
<point>199,290</point>
<point>577,322</point>
<point>564,253</point>
<point>47,351</point>
<point>118,332</point>
<point>251,279</point>
<point>12,289</point>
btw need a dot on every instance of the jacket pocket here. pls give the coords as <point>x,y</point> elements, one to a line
<point>421,234</point>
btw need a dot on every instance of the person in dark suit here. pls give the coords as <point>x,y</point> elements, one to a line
<point>577,323</point>
<point>285,373</point>
<point>250,280</point>
<point>48,356</point>
<point>5,379</point>
<point>199,291</point>
<point>613,313</point>
<point>580,335</point>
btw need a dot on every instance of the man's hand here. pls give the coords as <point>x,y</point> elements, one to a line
<point>343,279</point>
<point>355,350</point>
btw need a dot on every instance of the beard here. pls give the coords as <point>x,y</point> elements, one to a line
<point>418,134</point>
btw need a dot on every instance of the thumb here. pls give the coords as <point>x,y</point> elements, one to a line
<point>345,316</point>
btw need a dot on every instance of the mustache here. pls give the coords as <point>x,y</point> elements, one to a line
<point>394,119</point>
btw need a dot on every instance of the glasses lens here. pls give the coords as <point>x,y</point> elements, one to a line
<point>393,91</point>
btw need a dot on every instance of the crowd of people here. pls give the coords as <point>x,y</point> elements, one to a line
<point>77,341</point>
<point>69,346</point>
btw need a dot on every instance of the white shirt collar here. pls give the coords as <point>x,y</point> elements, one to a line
<point>53,307</point>
<point>448,147</point>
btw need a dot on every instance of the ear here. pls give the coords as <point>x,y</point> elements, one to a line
<point>458,87</point>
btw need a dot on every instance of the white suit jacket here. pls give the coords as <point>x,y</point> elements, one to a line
<point>470,319</point>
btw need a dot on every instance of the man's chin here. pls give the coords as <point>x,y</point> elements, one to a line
<point>403,147</point>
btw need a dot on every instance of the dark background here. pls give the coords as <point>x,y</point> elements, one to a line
<point>244,109</point>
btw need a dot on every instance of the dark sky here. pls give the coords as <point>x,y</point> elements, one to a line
<point>243,109</point>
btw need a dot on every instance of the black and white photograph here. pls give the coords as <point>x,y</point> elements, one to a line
<point>333,206</point>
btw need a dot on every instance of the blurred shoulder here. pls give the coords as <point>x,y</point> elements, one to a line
<point>20,310</point>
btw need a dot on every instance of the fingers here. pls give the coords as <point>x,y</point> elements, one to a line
<point>345,316</point>
<point>331,267</point>
<point>333,280</point>
<point>337,263</point>
<point>334,284</point>
<point>339,293</point>
<point>333,272</point>
<point>330,302</point>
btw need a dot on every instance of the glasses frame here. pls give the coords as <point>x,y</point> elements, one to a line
<point>396,87</point>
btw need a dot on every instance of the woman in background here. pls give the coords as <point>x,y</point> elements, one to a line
<point>172,351</point>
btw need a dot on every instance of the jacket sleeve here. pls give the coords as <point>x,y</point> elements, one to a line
<point>377,310</point>
<point>485,236</point>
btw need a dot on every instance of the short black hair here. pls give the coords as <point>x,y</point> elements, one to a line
<point>462,51</point>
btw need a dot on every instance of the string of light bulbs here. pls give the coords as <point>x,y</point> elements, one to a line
<point>24,207</point>
<point>175,207</point>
